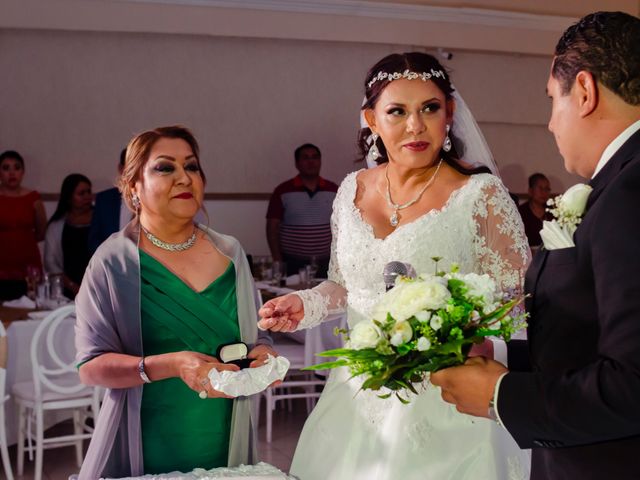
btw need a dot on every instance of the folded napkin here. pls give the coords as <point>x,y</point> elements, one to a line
<point>249,381</point>
<point>22,302</point>
<point>293,279</point>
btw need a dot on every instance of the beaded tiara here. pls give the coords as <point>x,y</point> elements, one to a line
<point>408,74</point>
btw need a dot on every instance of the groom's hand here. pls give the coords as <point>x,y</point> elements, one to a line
<point>470,386</point>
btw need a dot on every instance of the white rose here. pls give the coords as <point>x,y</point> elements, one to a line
<point>574,200</point>
<point>401,333</point>
<point>408,298</point>
<point>364,335</point>
<point>481,286</point>
<point>436,322</point>
<point>423,344</point>
<point>423,316</point>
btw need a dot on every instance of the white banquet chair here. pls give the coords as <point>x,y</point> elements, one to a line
<point>3,398</point>
<point>299,355</point>
<point>55,386</point>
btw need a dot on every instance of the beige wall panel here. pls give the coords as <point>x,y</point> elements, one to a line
<point>520,150</point>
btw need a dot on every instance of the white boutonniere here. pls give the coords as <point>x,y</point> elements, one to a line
<point>568,210</point>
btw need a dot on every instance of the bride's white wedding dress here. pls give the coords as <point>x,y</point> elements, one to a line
<point>353,435</point>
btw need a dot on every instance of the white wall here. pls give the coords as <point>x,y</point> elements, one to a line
<point>81,77</point>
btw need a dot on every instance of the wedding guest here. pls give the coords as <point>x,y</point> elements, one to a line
<point>66,245</point>
<point>298,215</point>
<point>110,213</point>
<point>22,225</point>
<point>157,300</point>
<point>534,210</point>
<point>574,398</point>
<point>419,199</point>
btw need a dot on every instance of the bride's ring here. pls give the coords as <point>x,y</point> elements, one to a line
<point>203,394</point>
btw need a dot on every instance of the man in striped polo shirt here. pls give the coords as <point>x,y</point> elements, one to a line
<point>299,213</point>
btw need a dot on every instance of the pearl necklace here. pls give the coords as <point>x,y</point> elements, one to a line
<point>393,219</point>
<point>171,247</point>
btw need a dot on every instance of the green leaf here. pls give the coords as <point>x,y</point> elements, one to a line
<point>404,401</point>
<point>327,365</point>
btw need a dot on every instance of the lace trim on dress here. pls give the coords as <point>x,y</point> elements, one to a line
<point>315,308</point>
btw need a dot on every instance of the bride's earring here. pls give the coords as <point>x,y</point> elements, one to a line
<point>446,145</point>
<point>135,201</point>
<point>373,154</point>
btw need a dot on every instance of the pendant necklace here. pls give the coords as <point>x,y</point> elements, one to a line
<point>393,219</point>
<point>171,247</point>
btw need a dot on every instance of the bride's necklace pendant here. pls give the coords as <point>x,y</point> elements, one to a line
<point>393,219</point>
<point>171,247</point>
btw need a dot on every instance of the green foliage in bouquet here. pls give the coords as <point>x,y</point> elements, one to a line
<point>423,325</point>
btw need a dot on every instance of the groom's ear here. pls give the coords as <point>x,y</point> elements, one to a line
<point>586,92</point>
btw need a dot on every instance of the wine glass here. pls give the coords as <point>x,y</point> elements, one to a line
<point>33,278</point>
<point>57,289</point>
<point>313,268</point>
<point>279,272</point>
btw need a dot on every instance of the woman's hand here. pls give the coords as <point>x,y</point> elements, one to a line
<point>193,368</point>
<point>260,354</point>
<point>282,314</point>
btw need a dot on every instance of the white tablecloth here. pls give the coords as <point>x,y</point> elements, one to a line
<point>19,335</point>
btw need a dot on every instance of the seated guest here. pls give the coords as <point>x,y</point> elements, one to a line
<point>110,213</point>
<point>534,210</point>
<point>299,213</point>
<point>158,299</point>
<point>22,225</point>
<point>66,249</point>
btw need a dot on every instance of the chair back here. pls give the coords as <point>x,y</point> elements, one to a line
<point>53,354</point>
<point>4,350</point>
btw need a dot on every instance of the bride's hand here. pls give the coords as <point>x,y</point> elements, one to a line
<point>282,314</point>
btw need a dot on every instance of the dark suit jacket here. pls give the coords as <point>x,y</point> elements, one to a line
<point>579,406</point>
<point>106,217</point>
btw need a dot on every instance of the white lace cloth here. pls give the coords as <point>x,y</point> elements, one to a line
<point>365,437</point>
<point>261,471</point>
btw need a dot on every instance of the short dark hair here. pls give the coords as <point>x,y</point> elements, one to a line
<point>13,155</point>
<point>607,45</point>
<point>535,178</point>
<point>298,151</point>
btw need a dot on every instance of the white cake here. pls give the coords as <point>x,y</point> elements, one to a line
<point>261,471</point>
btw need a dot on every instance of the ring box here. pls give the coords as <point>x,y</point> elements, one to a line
<point>235,353</point>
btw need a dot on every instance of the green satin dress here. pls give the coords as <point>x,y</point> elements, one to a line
<point>180,431</point>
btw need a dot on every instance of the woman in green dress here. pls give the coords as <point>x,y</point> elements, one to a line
<point>157,300</point>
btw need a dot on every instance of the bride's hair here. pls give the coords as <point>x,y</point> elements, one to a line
<point>375,83</point>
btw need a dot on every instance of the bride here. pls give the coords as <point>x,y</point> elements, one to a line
<point>418,200</point>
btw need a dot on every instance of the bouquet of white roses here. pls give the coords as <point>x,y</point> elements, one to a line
<point>423,325</point>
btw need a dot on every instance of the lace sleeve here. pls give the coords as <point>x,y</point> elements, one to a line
<point>501,245</point>
<point>328,300</point>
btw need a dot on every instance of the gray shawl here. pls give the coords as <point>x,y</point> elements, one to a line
<point>108,320</point>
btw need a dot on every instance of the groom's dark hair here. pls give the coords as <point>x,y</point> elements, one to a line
<point>607,45</point>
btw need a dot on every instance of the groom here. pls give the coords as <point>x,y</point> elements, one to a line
<point>577,403</point>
